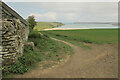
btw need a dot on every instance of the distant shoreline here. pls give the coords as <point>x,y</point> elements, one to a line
<point>74,28</point>
<point>64,28</point>
<point>95,23</point>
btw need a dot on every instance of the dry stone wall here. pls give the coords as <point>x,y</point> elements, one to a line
<point>0,41</point>
<point>15,32</point>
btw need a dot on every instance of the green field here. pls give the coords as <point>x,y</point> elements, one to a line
<point>44,25</point>
<point>97,36</point>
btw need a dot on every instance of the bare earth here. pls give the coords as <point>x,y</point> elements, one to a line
<point>99,62</point>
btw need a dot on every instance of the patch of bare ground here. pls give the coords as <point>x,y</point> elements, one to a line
<point>99,62</point>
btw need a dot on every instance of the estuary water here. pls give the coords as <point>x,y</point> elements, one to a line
<point>88,26</point>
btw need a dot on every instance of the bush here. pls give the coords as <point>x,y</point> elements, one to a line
<point>28,48</point>
<point>87,41</point>
<point>35,37</point>
<point>35,40</point>
<point>46,36</point>
<point>58,35</point>
<point>28,58</point>
<point>18,68</point>
<point>31,21</point>
<point>34,34</point>
<point>5,70</point>
<point>65,36</point>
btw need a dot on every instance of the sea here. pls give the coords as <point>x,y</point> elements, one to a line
<point>88,26</point>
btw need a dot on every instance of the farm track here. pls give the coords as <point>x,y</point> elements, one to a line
<point>99,62</point>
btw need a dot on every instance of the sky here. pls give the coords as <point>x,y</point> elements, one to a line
<point>60,0</point>
<point>68,11</point>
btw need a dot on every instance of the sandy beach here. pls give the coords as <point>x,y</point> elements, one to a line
<point>64,28</point>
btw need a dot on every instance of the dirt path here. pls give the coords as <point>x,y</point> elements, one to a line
<point>99,62</point>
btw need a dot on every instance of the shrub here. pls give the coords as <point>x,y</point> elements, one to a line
<point>58,35</point>
<point>36,37</point>
<point>18,68</point>
<point>46,36</point>
<point>65,36</point>
<point>35,41</point>
<point>74,39</point>
<point>87,41</point>
<point>28,48</point>
<point>43,42</point>
<point>5,70</point>
<point>31,21</point>
<point>59,59</point>
<point>34,34</point>
<point>28,58</point>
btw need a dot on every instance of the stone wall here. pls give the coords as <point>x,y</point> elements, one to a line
<point>15,32</point>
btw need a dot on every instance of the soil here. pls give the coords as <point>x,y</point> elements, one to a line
<point>99,62</point>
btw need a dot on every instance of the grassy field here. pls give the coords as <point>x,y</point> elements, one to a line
<point>44,25</point>
<point>97,36</point>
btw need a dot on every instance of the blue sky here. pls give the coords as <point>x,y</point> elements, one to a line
<point>68,11</point>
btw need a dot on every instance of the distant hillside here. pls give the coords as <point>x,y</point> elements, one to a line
<point>44,25</point>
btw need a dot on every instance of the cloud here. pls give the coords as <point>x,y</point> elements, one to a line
<point>61,0</point>
<point>69,11</point>
<point>66,17</point>
<point>49,16</point>
<point>83,11</point>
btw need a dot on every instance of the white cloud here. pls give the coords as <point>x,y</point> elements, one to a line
<point>67,17</point>
<point>49,16</point>
<point>71,11</point>
<point>61,0</point>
